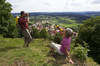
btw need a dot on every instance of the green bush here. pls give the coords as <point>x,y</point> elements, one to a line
<point>90,33</point>
<point>44,34</point>
<point>80,53</point>
<point>39,34</point>
<point>11,29</point>
<point>35,33</point>
<point>57,38</point>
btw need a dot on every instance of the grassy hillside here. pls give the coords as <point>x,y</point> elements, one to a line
<point>12,52</point>
<point>38,54</point>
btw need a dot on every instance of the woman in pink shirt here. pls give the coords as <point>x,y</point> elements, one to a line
<point>64,47</point>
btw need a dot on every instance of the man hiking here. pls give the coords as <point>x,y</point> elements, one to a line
<point>23,22</point>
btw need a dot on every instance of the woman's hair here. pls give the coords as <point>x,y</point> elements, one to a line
<point>69,32</point>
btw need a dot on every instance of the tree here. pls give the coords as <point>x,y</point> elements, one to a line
<point>7,24</point>
<point>90,33</point>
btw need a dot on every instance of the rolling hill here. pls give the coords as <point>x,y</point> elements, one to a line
<point>79,16</point>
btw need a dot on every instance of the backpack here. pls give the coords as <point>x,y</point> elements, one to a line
<point>19,22</point>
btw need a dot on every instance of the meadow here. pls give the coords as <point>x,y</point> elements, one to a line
<point>12,53</point>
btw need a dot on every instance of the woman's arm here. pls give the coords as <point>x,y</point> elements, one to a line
<point>67,53</point>
<point>68,56</point>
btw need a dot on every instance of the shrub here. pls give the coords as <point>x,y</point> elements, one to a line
<point>39,34</point>
<point>57,38</point>
<point>44,34</point>
<point>80,53</point>
<point>90,33</point>
<point>11,29</point>
<point>35,33</point>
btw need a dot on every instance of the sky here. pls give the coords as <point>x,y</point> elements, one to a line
<point>55,5</point>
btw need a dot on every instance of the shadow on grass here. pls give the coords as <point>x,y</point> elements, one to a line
<point>59,59</point>
<point>4,49</point>
<point>16,63</point>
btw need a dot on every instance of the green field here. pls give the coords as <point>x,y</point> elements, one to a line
<point>69,25</point>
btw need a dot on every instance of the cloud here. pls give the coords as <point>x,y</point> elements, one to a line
<point>96,2</point>
<point>54,5</point>
<point>82,5</point>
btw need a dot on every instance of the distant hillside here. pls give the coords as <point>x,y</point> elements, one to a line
<point>74,15</point>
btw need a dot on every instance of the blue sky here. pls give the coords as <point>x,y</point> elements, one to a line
<point>55,5</point>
